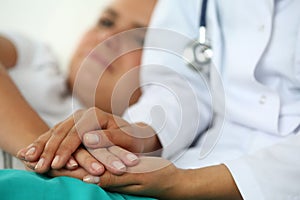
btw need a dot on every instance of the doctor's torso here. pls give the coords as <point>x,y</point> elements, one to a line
<point>257,52</point>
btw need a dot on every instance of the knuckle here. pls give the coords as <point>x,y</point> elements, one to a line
<point>65,150</point>
<point>44,137</point>
<point>109,158</point>
<point>114,149</point>
<point>99,153</point>
<point>38,143</point>
<point>53,129</point>
<point>88,159</point>
<point>59,131</point>
<point>47,152</point>
<point>118,151</point>
<point>74,134</point>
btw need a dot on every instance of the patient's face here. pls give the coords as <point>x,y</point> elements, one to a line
<point>107,70</point>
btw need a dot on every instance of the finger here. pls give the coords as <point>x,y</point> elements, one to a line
<point>91,179</point>
<point>96,139</point>
<point>109,160</point>
<point>21,154</point>
<point>128,158</point>
<point>109,180</point>
<point>78,173</point>
<point>113,121</point>
<point>88,162</point>
<point>34,150</point>
<point>96,119</point>
<point>126,139</point>
<point>113,137</point>
<point>92,119</point>
<point>58,133</point>
<point>71,164</point>
<point>66,148</point>
<point>29,165</point>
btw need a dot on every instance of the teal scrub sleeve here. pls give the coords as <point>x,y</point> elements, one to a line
<point>19,184</point>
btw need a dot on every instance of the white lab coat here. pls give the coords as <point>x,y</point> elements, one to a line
<point>257,134</point>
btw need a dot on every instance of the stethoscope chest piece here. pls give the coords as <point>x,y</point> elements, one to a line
<point>198,55</point>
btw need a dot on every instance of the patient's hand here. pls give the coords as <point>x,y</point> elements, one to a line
<point>82,158</point>
<point>54,148</point>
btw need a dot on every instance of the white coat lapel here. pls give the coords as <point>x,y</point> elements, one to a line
<point>246,26</point>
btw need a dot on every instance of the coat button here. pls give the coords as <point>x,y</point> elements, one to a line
<point>261,28</point>
<point>262,99</point>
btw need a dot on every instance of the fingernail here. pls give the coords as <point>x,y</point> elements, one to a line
<point>30,151</point>
<point>21,154</point>
<point>91,139</point>
<point>96,166</point>
<point>39,164</point>
<point>91,179</point>
<point>132,157</point>
<point>73,163</point>
<point>55,161</point>
<point>119,166</point>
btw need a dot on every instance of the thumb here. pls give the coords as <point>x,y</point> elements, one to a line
<point>107,138</point>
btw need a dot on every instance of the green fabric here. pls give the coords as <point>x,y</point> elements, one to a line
<point>17,185</point>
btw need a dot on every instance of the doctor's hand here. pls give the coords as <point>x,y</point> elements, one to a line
<point>159,178</point>
<point>152,177</point>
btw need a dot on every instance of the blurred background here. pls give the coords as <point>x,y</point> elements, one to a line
<point>58,23</point>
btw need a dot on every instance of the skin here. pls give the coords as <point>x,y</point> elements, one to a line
<point>53,149</point>
<point>207,183</point>
<point>8,53</point>
<point>152,176</point>
<point>156,177</point>
<point>13,108</point>
<point>120,16</point>
<point>64,139</point>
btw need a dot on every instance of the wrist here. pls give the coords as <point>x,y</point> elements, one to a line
<point>214,182</point>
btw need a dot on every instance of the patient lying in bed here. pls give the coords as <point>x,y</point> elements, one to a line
<point>35,71</point>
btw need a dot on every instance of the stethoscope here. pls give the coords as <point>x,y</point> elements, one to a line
<point>199,52</point>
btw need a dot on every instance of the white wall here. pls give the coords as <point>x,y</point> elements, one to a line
<point>59,23</point>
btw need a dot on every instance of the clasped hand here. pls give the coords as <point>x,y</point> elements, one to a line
<point>108,143</point>
<point>91,145</point>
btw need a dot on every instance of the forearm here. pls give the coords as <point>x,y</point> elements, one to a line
<point>20,124</point>
<point>213,182</point>
<point>8,53</point>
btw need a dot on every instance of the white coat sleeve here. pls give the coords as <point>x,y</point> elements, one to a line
<point>271,173</point>
<point>172,100</point>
